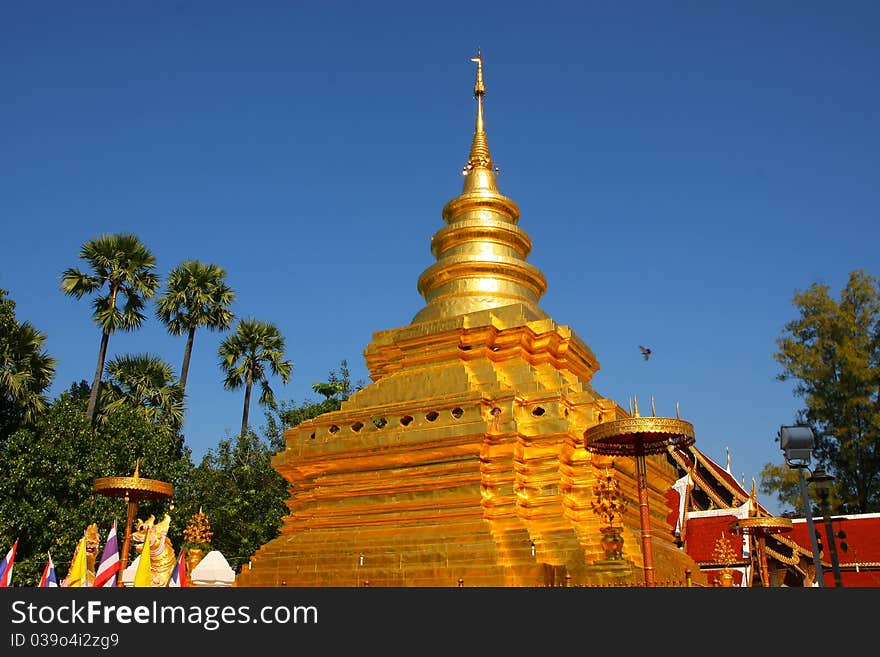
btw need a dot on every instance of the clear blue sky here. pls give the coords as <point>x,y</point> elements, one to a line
<point>681,167</point>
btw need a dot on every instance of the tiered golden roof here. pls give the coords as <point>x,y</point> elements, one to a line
<point>481,251</point>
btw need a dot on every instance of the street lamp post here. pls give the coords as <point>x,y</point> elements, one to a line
<point>822,481</point>
<point>797,445</point>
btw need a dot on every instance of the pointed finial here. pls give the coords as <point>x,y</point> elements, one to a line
<point>677,412</point>
<point>636,406</point>
<point>137,465</point>
<point>728,458</point>
<point>479,86</point>
<point>479,156</point>
<point>653,410</point>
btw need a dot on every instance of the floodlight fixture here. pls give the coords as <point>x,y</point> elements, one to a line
<point>797,444</point>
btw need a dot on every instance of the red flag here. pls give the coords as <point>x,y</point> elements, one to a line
<point>49,578</point>
<point>109,566</point>
<point>6,566</point>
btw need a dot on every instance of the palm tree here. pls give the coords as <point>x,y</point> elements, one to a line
<point>123,265</point>
<point>26,369</point>
<point>146,383</point>
<point>244,356</point>
<point>196,296</point>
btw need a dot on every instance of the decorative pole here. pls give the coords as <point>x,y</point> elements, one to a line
<point>132,489</point>
<point>759,528</point>
<point>637,437</point>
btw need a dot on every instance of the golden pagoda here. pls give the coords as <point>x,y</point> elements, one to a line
<point>463,462</point>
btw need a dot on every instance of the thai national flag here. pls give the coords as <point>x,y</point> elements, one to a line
<point>178,575</point>
<point>49,578</point>
<point>6,566</point>
<point>108,569</point>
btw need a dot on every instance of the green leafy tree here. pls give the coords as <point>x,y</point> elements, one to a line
<point>147,384</point>
<point>26,369</point>
<point>334,391</point>
<point>196,296</point>
<point>124,268</point>
<point>783,482</point>
<point>832,354</point>
<point>47,497</point>
<point>245,357</point>
<point>241,493</point>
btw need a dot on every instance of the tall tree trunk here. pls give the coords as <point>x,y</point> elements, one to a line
<point>99,371</point>
<point>247,404</point>
<point>187,352</point>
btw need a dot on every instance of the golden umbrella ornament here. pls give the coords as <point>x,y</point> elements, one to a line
<point>760,528</point>
<point>637,437</point>
<point>132,489</point>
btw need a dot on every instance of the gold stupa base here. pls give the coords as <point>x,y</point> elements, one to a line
<point>613,572</point>
<point>462,462</point>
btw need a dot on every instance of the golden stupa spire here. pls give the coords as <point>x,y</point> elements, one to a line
<point>481,252</point>
<point>479,155</point>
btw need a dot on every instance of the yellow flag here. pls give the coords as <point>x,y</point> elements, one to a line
<point>142,574</point>
<point>77,574</point>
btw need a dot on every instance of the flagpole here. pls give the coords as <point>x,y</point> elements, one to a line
<point>7,565</point>
<point>132,507</point>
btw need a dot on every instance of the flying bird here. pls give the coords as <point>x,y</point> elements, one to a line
<point>645,352</point>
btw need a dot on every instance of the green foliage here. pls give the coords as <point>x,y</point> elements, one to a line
<point>46,491</point>
<point>103,429</point>
<point>26,370</point>
<point>832,354</point>
<point>147,384</point>
<point>337,389</point>
<point>245,356</point>
<point>196,296</point>
<point>125,267</point>
<point>241,493</point>
<point>782,481</point>
<point>49,465</point>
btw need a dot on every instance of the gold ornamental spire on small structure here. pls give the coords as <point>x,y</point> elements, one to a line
<point>197,538</point>
<point>609,504</point>
<point>724,554</point>
<point>198,531</point>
